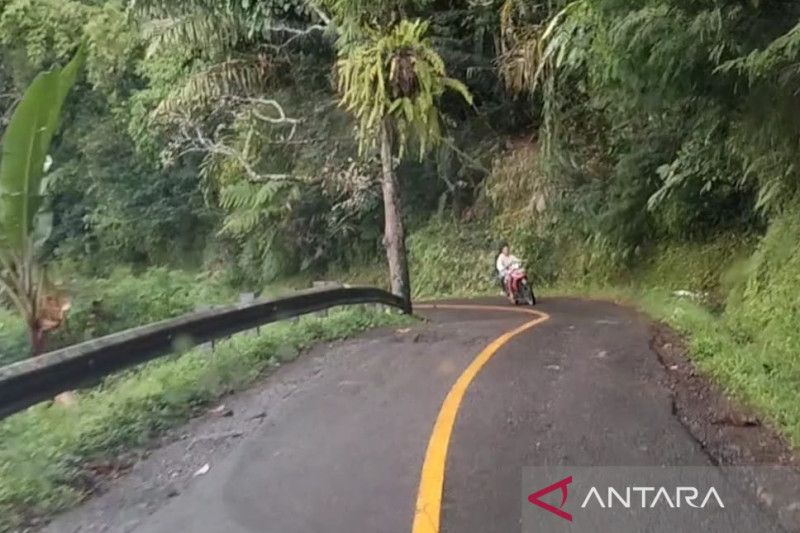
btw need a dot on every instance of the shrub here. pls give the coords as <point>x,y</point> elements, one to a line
<point>120,301</point>
<point>451,259</point>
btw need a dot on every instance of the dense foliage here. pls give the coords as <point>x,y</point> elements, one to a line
<point>663,119</point>
<point>209,132</point>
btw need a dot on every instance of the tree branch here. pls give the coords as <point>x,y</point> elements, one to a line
<point>192,139</point>
<point>319,12</point>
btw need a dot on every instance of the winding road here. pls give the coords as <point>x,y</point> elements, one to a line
<point>425,430</point>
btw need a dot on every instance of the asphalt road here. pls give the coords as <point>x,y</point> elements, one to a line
<point>344,450</point>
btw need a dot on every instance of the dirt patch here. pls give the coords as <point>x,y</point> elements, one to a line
<point>732,434</point>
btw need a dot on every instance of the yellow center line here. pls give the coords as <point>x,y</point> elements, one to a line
<point>429,497</point>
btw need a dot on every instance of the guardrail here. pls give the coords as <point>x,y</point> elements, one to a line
<point>31,381</point>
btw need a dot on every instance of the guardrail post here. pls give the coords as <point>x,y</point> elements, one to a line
<point>206,346</point>
<point>322,285</point>
<point>246,298</point>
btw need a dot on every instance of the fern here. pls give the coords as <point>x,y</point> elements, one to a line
<point>780,60</point>
<point>250,205</point>
<point>397,76</point>
<point>239,77</point>
<point>215,32</point>
<point>533,52</point>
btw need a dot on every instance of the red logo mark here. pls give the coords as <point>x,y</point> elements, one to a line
<point>534,498</point>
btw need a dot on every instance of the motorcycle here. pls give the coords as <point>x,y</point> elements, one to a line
<point>518,286</point>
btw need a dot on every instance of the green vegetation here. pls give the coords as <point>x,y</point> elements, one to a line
<point>46,448</point>
<point>639,147</point>
<point>25,224</point>
<point>448,259</point>
<point>759,369</point>
<point>119,301</point>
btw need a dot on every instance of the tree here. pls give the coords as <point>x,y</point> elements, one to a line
<point>24,224</point>
<point>392,83</point>
<point>224,89</point>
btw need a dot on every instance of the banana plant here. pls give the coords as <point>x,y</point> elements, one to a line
<point>24,223</point>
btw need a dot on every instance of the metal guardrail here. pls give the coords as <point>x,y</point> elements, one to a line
<point>31,381</point>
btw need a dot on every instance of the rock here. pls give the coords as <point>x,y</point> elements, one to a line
<point>688,294</point>
<point>737,420</point>
<point>221,411</point>
<point>765,497</point>
<point>66,399</point>
<point>202,470</point>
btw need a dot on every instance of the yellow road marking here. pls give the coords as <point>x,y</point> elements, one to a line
<point>429,497</point>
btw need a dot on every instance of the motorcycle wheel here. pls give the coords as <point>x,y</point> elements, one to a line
<point>527,292</point>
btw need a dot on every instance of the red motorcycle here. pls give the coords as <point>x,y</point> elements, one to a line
<point>517,285</point>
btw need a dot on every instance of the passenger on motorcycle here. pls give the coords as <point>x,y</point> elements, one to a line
<point>504,263</point>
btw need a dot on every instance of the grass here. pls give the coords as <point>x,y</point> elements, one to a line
<point>45,449</point>
<point>750,369</point>
<point>121,300</point>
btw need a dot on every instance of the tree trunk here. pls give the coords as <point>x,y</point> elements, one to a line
<point>394,235</point>
<point>37,339</point>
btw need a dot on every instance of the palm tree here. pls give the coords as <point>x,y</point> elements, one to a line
<point>391,83</point>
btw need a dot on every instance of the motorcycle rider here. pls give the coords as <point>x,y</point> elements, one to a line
<point>503,265</point>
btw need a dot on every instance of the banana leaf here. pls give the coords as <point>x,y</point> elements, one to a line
<point>25,146</point>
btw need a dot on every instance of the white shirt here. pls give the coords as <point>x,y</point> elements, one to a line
<point>504,262</point>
